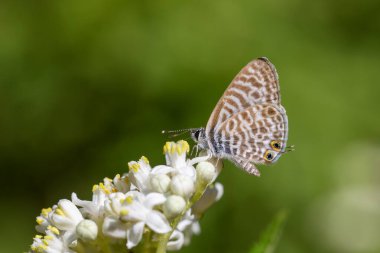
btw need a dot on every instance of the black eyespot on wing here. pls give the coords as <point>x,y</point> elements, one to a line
<point>275,145</point>
<point>268,156</point>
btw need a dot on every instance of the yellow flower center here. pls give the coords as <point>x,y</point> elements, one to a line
<point>45,212</point>
<point>59,212</point>
<point>144,159</point>
<point>180,147</point>
<point>39,220</point>
<point>53,229</point>
<point>134,167</point>
<point>124,212</point>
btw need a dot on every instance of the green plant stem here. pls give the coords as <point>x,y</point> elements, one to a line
<point>163,239</point>
<point>103,242</point>
<point>80,247</point>
<point>270,237</point>
<point>147,246</point>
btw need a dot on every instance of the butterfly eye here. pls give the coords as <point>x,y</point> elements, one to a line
<point>196,134</point>
<point>268,156</point>
<point>276,146</point>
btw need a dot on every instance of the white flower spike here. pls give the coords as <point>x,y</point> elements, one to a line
<point>136,205</point>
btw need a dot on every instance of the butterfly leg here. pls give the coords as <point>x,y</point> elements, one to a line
<point>247,166</point>
<point>196,149</point>
<point>200,158</point>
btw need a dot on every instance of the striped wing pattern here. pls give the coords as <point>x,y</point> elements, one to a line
<point>248,117</point>
<point>246,136</point>
<point>256,83</point>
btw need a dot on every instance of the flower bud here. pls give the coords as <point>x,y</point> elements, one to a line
<point>182,185</point>
<point>217,162</point>
<point>173,206</point>
<point>205,173</point>
<point>160,183</point>
<point>87,230</point>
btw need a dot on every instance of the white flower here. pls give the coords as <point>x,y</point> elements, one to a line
<point>43,220</point>
<point>173,206</point>
<point>141,212</point>
<point>65,215</point>
<point>175,154</point>
<point>52,242</point>
<point>93,209</point>
<point>87,230</point>
<point>59,224</point>
<point>182,185</point>
<point>122,183</point>
<point>140,174</point>
<point>135,211</point>
<point>114,207</point>
<point>125,207</point>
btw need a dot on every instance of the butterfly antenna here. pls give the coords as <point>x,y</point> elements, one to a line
<point>175,133</point>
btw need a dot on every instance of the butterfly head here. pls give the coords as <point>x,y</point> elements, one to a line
<point>199,136</point>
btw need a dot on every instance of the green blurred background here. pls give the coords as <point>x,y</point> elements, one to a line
<point>86,86</point>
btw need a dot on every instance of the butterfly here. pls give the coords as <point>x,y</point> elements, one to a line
<point>248,125</point>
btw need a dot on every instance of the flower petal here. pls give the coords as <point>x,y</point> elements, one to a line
<point>69,237</point>
<point>176,241</point>
<point>153,199</point>
<point>65,215</point>
<point>158,222</point>
<point>196,228</point>
<point>133,212</point>
<point>162,169</point>
<point>98,198</point>
<point>134,234</point>
<point>115,228</point>
<point>77,201</point>
<point>183,224</point>
<point>88,206</point>
<point>139,174</point>
<point>220,190</point>
<point>70,210</point>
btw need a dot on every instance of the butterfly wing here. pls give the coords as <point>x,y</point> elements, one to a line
<point>249,136</point>
<point>256,83</point>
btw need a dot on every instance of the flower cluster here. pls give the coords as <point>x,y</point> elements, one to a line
<point>147,209</point>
